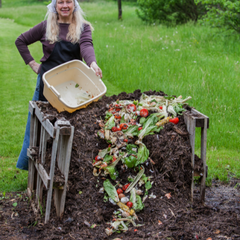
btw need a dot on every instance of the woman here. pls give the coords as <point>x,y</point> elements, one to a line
<point>65,36</point>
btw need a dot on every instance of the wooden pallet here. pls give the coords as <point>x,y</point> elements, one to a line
<point>62,136</point>
<point>192,120</point>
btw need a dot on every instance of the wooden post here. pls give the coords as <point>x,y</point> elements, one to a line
<point>192,120</point>
<point>63,161</point>
<point>203,157</point>
<point>52,168</point>
<point>119,9</point>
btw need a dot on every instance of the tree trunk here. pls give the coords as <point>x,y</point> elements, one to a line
<point>0,3</point>
<point>119,9</point>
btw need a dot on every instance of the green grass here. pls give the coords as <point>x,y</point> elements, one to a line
<point>186,60</point>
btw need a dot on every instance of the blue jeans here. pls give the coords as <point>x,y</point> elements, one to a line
<point>22,162</point>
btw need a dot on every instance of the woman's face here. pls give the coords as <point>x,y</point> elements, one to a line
<point>65,9</point>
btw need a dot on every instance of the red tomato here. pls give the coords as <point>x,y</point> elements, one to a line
<point>140,128</point>
<point>119,191</point>
<point>123,126</point>
<point>125,140</point>
<point>118,105</point>
<point>144,112</point>
<point>174,120</point>
<point>160,107</point>
<point>129,204</point>
<point>131,107</point>
<point>115,129</point>
<point>124,188</point>
<point>118,109</point>
<point>114,159</point>
<point>117,116</point>
<point>98,158</point>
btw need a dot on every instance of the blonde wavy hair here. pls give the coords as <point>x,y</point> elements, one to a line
<point>74,30</point>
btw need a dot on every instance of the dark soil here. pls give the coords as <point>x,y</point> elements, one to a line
<point>163,218</point>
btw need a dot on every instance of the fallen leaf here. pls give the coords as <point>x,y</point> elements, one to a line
<point>217,231</point>
<point>93,226</point>
<point>168,195</point>
<point>159,222</point>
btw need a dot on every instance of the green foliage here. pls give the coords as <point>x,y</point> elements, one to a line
<point>170,11</point>
<point>223,14</point>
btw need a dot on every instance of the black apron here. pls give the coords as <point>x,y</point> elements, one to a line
<point>63,52</point>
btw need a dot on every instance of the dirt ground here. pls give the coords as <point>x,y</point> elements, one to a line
<point>162,218</point>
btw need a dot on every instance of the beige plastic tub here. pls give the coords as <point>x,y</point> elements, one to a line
<point>72,86</point>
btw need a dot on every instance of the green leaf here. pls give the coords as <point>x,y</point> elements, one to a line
<point>105,198</point>
<point>110,123</point>
<point>131,131</point>
<point>131,148</point>
<point>136,200</point>
<point>148,185</point>
<point>15,204</point>
<point>108,115</point>
<point>107,158</point>
<point>111,190</point>
<point>142,155</point>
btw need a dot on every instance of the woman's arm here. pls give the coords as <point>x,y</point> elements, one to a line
<point>87,50</point>
<point>33,35</point>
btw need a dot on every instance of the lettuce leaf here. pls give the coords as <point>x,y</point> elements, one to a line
<point>111,190</point>
<point>143,153</point>
<point>149,126</point>
<point>110,123</point>
<point>131,131</point>
<point>136,200</point>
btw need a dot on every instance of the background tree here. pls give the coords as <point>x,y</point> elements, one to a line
<point>223,14</point>
<point>170,11</point>
<point>0,3</point>
<point>120,9</point>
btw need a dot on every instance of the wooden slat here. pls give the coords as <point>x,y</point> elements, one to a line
<point>29,193</point>
<point>203,157</point>
<point>32,143</point>
<point>40,170</point>
<point>31,107</point>
<point>39,189</point>
<point>200,118</point>
<point>43,174</point>
<point>44,146</point>
<point>46,124</point>
<point>52,168</point>
<point>63,163</point>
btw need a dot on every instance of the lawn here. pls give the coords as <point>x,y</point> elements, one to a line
<point>188,60</point>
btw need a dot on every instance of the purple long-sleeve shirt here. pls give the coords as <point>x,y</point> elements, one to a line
<point>38,32</point>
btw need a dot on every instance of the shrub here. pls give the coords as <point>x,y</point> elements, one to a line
<point>223,14</point>
<point>170,11</point>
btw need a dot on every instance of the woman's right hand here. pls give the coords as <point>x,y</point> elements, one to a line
<point>35,66</point>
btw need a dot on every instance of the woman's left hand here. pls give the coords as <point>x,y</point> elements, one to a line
<point>97,69</point>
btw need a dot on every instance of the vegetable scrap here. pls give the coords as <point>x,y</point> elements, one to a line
<point>127,121</point>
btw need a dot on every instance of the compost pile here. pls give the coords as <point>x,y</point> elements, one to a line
<point>167,213</point>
